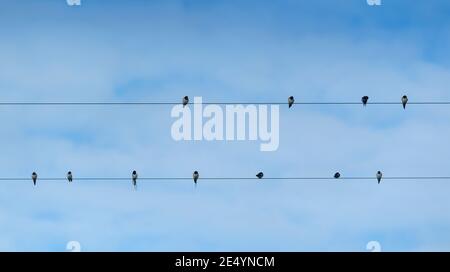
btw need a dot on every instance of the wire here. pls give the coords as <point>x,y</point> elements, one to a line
<point>208,103</point>
<point>227,178</point>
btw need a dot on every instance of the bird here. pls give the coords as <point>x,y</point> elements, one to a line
<point>379,176</point>
<point>291,101</point>
<point>134,177</point>
<point>364,100</point>
<point>195,176</point>
<point>185,101</point>
<point>404,101</point>
<point>69,176</point>
<point>260,175</point>
<point>34,177</point>
<point>337,175</point>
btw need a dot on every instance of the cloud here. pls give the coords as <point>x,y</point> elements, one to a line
<point>180,49</point>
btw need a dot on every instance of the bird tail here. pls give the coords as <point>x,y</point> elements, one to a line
<point>404,106</point>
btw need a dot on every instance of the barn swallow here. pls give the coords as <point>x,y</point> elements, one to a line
<point>195,176</point>
<point>404,101</point>
<point>337,175</point>
<point>134,177</point>
<point>34,177</point>
<point>379,176</point>
<point>364,100</point>
<point>69,176</point>
<point>260,175</point>
<point>291,101</point>
<point>185,101</point>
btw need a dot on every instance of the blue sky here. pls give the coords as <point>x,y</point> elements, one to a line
<point>318,50</point>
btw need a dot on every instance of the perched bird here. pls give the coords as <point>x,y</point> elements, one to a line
<point>364,100</point>
<point>404,101</point>
<point>34,177</point>
<point>337,175</point>
<point>260,175</point>
<point>291,101</point>
<point>69,176</point>
<point>185,101</point>
<point>379,176</point>
<point>195,176</point>
<point>134,177</point>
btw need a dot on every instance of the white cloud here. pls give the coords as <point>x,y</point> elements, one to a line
<point>88,64</point>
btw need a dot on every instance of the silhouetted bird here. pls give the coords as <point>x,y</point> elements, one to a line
<point>34,177</point>
<point>337,175</point>
<point>291,101</point>
<point>134,177</point>
<point>379,176</point>
<point>69,176</point>
<point>404,101</point>
<point>185,101</point>
<point>260,175</point>
<point>195,176</point>
<point>364,100</point>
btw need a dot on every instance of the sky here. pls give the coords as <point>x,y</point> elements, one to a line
<point>224,50</point>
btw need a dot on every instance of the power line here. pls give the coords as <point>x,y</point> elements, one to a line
<point>209,103</point>
<point>399,178</point>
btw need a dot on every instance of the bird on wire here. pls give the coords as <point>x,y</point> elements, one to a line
<point>379,176</point>
<point>364,100</point>
<point>34,177</point>
<point>195,176</point>
<point>134,177</point>
<point>69,176</point>
<point>185,101</point>
<point>404,101</point>
<point>260,175</point>
<point>291,101</point>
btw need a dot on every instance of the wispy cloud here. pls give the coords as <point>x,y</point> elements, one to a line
<point>222,51</point>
